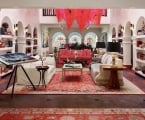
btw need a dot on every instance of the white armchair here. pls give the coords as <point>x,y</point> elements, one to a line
<point>32,72</point>
<point>101,76</point>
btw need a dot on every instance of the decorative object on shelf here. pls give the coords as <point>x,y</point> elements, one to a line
<point>28,50</point>
<point>142,56</point>
<point>26,31</point>
<point>120,31</point>
<point>2,43</point>
<point>28,42</point>
<point>138,68</point>
<point>35,33</point>
<point>143,28</point>
<point>4,28</point>
<point>35,41</point>
<point>141,31</point>
<point>131,29</point>
<point>139,42</point>
<point>113,32</point>
<point>16,29</point>
<point>143,70</point>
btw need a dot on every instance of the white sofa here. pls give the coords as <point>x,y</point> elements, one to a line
<point>101,76</point>
<point>32,72</point>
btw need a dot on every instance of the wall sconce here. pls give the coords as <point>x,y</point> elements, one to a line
<point>26,29</point>
<point>16,29</point>
<point>120,31</point>
<point>131,26</point>
<point>122,28</point>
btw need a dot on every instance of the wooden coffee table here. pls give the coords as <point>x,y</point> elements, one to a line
<point>114,80</point>
<point>71,67</point>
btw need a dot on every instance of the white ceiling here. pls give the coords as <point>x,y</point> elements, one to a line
<point>72,3</point>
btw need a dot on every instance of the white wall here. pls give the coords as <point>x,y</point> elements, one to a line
<point>26,16</point>
<point>122,16</point>
<point>53,19</point>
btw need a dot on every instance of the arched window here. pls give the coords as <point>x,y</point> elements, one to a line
<point>58,39</point>
<point>75,37</point>
<point>91,38</point>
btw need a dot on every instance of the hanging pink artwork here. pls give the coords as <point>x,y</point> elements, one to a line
<point>83,17</point>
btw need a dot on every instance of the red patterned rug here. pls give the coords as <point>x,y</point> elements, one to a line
<point>71,114</point>
<point>74,84</point>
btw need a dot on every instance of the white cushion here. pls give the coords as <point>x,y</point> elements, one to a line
<point>109,60</point>
<point>103,57</point>
<point>50,61</point>
<point>34,74</point>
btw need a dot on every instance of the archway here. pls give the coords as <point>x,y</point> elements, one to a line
<point>91,38</point>
<point>75,37</point>
<point>58,40</point>
<point>7,20</point>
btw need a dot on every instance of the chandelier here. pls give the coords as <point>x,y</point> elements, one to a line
<point>83,17</point>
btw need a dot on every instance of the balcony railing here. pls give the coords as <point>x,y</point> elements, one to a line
<point>51,12</point>
<point>48,12</point>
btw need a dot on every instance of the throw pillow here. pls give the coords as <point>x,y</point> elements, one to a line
<point>103,58</point>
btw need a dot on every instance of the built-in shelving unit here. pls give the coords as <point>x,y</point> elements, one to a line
<point>35,42</point>
<point>118,38</point>
<point>6,44</point>
<point>140,55</point>
<point>28,46</point>
<point>139,48</point>
<point>27,40</point>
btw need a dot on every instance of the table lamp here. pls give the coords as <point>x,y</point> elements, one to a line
<point>100,45</point>
<point>113,47</point>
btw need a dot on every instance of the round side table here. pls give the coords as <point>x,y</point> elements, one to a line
<point>42,70</point>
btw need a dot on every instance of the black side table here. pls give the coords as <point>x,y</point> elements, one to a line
<point>42,70</point>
